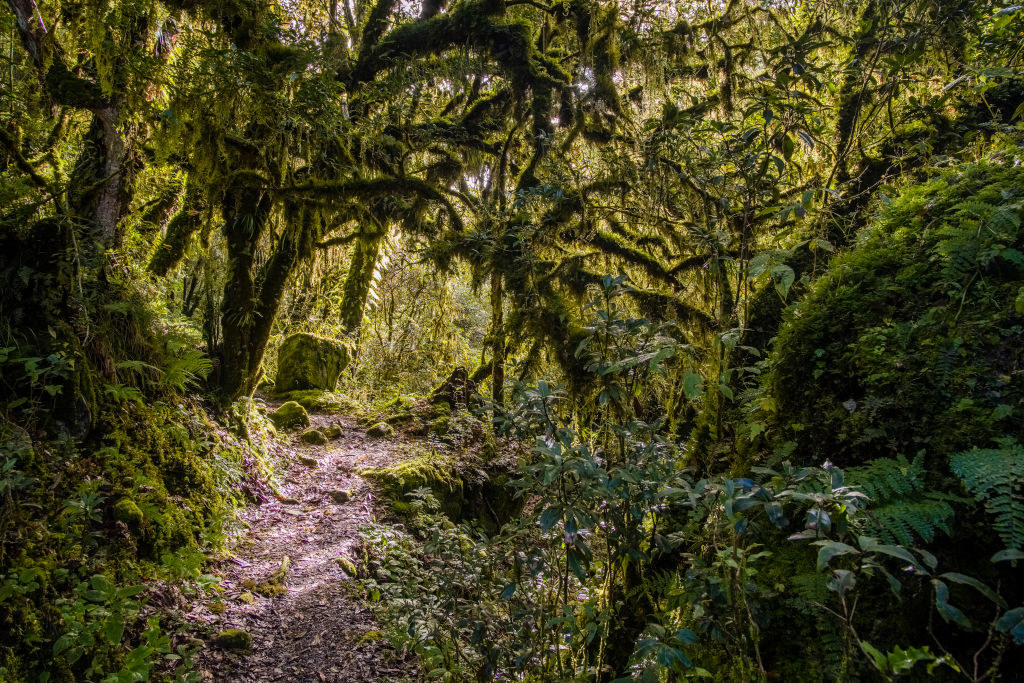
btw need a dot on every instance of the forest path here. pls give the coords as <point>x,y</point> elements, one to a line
<point>319,628</point>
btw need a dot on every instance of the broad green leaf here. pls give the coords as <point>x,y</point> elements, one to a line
<point>113,628</point>
<point>1013,623</point>
<point>693,385</point>
<point>830,549</point>
<point>976,585</point>
<point>1008,555</point>
<point>946,610</point>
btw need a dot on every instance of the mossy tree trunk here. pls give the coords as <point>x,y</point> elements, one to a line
<point>189,219</point>
<point>497,342</point>
<point>253,292</point>
<point>360,278</point>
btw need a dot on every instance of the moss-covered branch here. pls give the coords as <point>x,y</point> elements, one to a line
<point>189,219</point>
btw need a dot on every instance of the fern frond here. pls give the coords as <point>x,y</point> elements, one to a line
<point>901,510</point>
<point>884,479</point>
<point>904,522</point>
<point>187,368</point>
<point>995,476</point>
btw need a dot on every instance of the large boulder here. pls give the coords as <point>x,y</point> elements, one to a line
<point>306,361</point>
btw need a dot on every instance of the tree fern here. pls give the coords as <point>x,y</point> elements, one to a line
<point>996,478</point>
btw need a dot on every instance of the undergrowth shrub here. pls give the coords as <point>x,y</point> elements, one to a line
<point>624,566</point>
<point>86,524</point>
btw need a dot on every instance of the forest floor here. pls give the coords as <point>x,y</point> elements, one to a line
<point>319,628</point>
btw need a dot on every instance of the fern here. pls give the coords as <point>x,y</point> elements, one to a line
<point>995,476</point>
<point>900,522</point>
<point>887,478</point>
<point>902,511</point>
<point>190,366</point>
<point>124,394</point>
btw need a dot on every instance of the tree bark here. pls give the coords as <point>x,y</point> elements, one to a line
<point>497,342</point>
<point>359,279</point>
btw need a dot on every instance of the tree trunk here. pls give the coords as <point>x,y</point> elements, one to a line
<point>359,279</point>
<point>245,216</point>
<point>497,342</point>
<point>631,608</point>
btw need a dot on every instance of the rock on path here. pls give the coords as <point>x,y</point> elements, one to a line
<point>319,628</point>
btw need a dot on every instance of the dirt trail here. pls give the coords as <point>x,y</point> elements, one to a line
<point>319,629</point>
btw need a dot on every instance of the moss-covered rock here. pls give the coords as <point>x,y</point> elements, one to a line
<point>441,425</point>
<point>127,511</point>
<point>313,437</point>
<point>332,431</point>
<point>320,401</point>
<point>305,361</point>
<point>436,473</point>
<point>347,566</point>
<point>290,416</point>
<point>381,430</point>
<point>464,490</point>
<point>269,588</point>
<point>914,339</point>
<point>340,497</point>
<point>233,639</point>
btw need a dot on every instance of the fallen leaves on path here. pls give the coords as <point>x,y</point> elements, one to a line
<point>319,628</point>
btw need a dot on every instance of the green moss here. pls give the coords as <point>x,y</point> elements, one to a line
<point>913,339</point>
<point>400,405</point>
<point>332,431</point>
<point>432,472</point>
<point>290,416</point>
<point>440,426</point>
<point>268,589</point>
<point>347,566</point>
<point>313,437</point>
<point>381,430</point>
<point>371,637</point>
<point>127,510</point>
<point>309,362</point>
<point>320,401</point>
<point>463,489</point>
<point>233,639</point>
